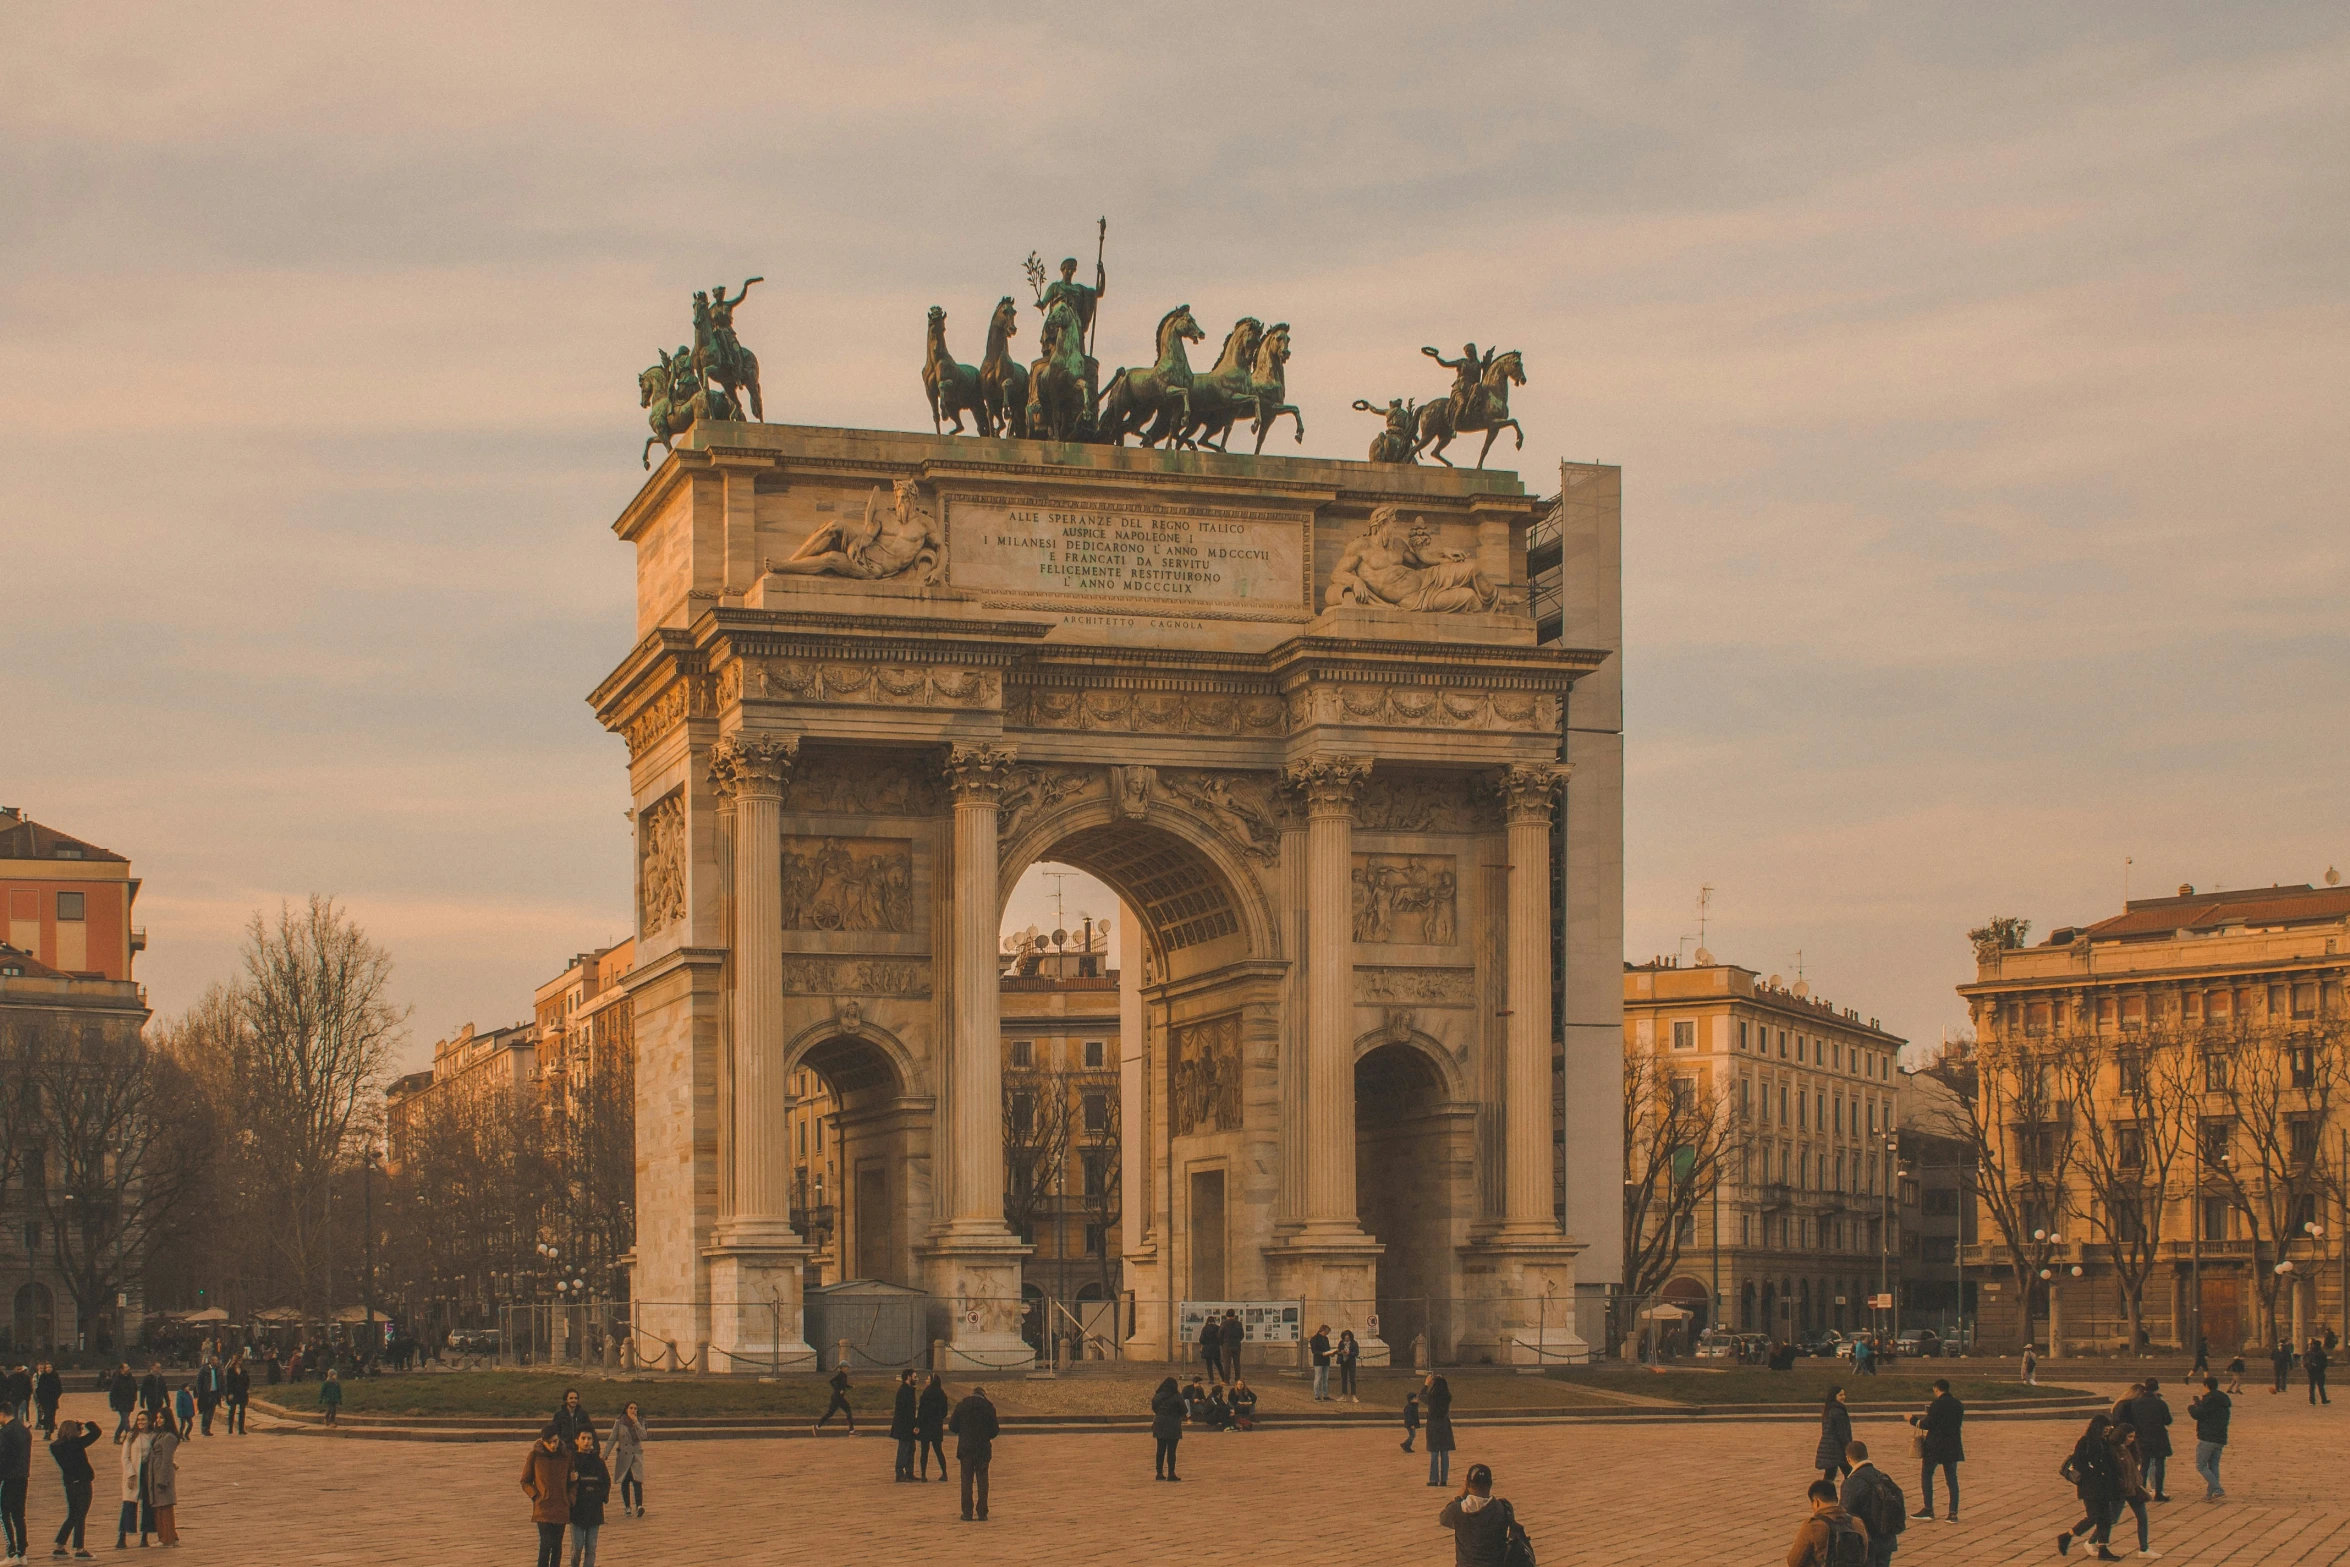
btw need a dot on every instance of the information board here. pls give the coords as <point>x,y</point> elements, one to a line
<point>1261,1321</point>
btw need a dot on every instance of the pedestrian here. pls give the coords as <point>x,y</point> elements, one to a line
<point>20,1395</point>
<point>1411,1418</point>
<point>2150,1426</point>
<point>1835,1435</point>
<point>71,1449</point>
<point>236,1385</point>
<point>1231,1336</point>
<point>2280,1360</point>
<point>122,1396</point>
<point>930,1420</point>
<point>163,1485</point>
<point>155,1396</point>
<point>1348,1355</point>
<point>1166,1429</point>
<point>2121,1405</point>
<point>2097,1480</point>
<point>330,1395</point>
<point>1872,1496</point>
<point>2236,1372</point>
<point>48,1388</point>
<point>137,1512</point>
<point>2134,1493</point>
<point>1862,1362</point>
<point>546,1480</point>
<point>2210,1414</point>
<point>183,1407</point>
<point>1319,1347</point>
<point>571,1418</point>
<point>16,1475</point>
<point>2202,1355</point>
<point>208,1392</point>
<point>1436,1401</point>
<point>1830,1537</point>
<point>1482,1523</point>
<point>904,1423</point>
<point>1211,1347</point>
<point>2314,1361</point>
<point>840,1401</point>
<point>1244,1405</point>
<point>974,1425</point>
<point>591,1488</point>
<point>274,1368</point>
<point>2031,1366</point>
<point>625,1458</point>
<point>1941,1441</point>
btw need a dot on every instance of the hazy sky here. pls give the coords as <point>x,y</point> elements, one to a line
<point>1975,372</point>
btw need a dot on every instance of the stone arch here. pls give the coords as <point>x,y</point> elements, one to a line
<point>1414,1136</point>
<point>880,1144</point>
<point>835,1038</point>
<point>1451,1077</point>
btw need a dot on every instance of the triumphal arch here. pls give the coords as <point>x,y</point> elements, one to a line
<point>1293,711</point>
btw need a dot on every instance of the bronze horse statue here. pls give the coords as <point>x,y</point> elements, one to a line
<point>1135,398</point>
<point>1269,383</point>
<point>953,388</point>
<point>1057,408</point>
<point>1489,410</point>
<point>1222,395</point>
<point>674,393</point>
<point>719,355</point>
<point>1003,380</point>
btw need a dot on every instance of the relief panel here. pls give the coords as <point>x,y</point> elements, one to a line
<point>1407,899</point>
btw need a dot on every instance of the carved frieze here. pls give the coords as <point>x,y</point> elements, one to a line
<point>1407,899</point>
<point>835,785</point>
<point>1415,987</point>
<point>1028,790</point>
<point>1422,802</point>
<point>848,884</point>
<point>822,976</point>
<point>1206,1055</point>
<point>1397,564</point>
<point>1144,712</point>
<point>660,864</point>
<point>835,681</point>
<point>686,697</point>
<point>1425,707</point>
<point>1240,805</point>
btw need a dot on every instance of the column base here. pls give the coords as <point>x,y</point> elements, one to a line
<point>757,1327</point>
<point>1146,1281</point>
<point>973,1273</point>
<point>1333,1271</point>
<point>1526,1310</point>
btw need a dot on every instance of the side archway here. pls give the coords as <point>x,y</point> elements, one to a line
<point>1413,1193</point>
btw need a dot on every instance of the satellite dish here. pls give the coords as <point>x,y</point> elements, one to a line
<point>1774,982</point>
<point>1103,926</point>
<point>1705,959</point>
<point>2333,877</point>
<point>1803,987</point>
<point>1060,938</point>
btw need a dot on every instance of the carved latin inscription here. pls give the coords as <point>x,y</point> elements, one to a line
<point>1408,899</point>
<point>848,884</point>
<point>1207,1075</point>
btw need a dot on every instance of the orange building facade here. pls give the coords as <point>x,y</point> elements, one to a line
<point>69,904</point>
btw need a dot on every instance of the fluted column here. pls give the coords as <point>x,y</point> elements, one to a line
<point>1329,785</point>
<point>1528,791</point>
<point>975,1204</point>
<point>750,769</point>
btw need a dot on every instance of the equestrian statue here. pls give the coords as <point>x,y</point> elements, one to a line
<point>677,397</point>
<point>718,353</point>
<point>1480,400</point>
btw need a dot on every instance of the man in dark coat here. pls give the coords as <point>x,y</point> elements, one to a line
<point>1211,1348</point>
<point>930,1425</point>
<point>16,1472</point>
<point>2313,1364</point>
<point>1232,1334</point>
<point>1943,1424</point>
<point>974,1426</point>
<point>208,1390</point>
<point>237,1387</point>
<point>2150,1419</point>
<point>905,1423</point>
<point>2210,1414</point>
<point>1870,1495</point>
<point>48,1388</point>
<point>20,1391</point>
<point>155,1395</point>
<point>122,1396</point>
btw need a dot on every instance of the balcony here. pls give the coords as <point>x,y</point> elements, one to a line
<point>138,938</point>
<point>1775,1197</point>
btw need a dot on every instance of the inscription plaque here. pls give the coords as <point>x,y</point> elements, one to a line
<point>1152,556</point>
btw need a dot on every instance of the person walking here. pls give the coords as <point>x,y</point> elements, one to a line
<point>48,1388</point>
<point>1872,1496</point>
<point>624,1459</point>
<point>2097,1480</point>
<point>546,1480</point>
<point>1349,1354</point>
<point>2236,1372</point>
<point>1231,1337</point>
<point>2134,1493</point>
<point>1835,1435</point>
<point>137,1512</point>
<point>330,1395</point>
<point>840,1401</point>
<point>1211,1348</point>
<point>1941,1441</point>
<point>2150,1425</point>
<point>571,1418</point>
<point>122,1396</point>
<point>236,1386</point>
<point>930,1421</point>
<point>1482,1523</point>
<point>905,1423</point>
<point>591,1488</point>
<point>1436,1400</point>
<point>2314,1361</point>
<point>16,1476</point>
<point>163,1493</point>
<point>71,1450</point>
<point>1319,1348</point>
<point>2210,1414</point>
<point>1166,1429</point>
<point>2202,1356</point>
<point>183,1408</point>
<point>975,1427</point>
<point>2031,1365</point>
<point>208,1392</point>
<point>1411,1418</point>
<point>1830,1537</point>
<point>2280,1360</point>
<point>20,1395</point>
<point>155,1396</point>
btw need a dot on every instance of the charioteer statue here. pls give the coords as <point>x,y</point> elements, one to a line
<point>1084,305</point>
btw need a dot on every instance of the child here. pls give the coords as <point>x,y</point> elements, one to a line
<point>2236,1372</point>
<point>184,1404</point>
<point>330,1395</point>
<point>1411,1418</point>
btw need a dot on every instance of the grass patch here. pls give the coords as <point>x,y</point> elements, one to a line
<point>528,1394</point>
<point>1735,1385</point>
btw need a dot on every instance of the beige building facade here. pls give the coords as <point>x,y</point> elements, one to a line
<point>1293,712</point>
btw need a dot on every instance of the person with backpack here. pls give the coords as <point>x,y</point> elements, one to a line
<point>1872,1496</point>
<point>2134,1493</point>
<point>1941,1440</point>
<point>2210,1414</point>
<point>1485,1530</point>
<point>1830,1537</point>
<point>2096,1475</point>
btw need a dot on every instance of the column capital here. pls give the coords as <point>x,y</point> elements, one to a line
<point>1328,783</point>
<point>755,764</point>
<point>1528,789</point>
<point>976,774</point>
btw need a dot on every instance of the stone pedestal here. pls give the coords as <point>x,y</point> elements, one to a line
<point>975,1287</point>
<point>756,1321</point>
<point>1523,1302</point>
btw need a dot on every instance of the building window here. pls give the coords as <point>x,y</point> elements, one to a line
<point>803,1139</point>
<point>2304,996</point>
<point>2301,1139</point>
<point>1095,1053</point>
<point>1782,1104</point>
<point>1097,1113</point>
<point>1745,1229</point>
<point>1093,1240</point>
<point>1745,1097</point>
<point>2304,1063</point>
<point>69,905</point>
<point>1782,1044</point>
<point>1023,1112</point>
<point>2133,1012</point>
<point>2215,1218</point>
<point>1743,1028</point>
<point>1023,1052</point>
<point>1839,1115</point>
<point>2215,1072</point>
<point>1802,1113</point>
<point>1685,1036</point>
<point>2129,1148</point>
<point>1097,1172</point>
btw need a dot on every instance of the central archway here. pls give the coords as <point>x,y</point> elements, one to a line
<point>1411,1153</point>
<point>859,1142</point>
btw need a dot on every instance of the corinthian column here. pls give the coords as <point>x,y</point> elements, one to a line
<point>1329,785</point>
<point>1528,790</point>
<point>975,1199</point>
<point>749,770</point>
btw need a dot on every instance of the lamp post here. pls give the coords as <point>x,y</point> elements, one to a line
<point>367,1238</point>
<point>1890,1142</point>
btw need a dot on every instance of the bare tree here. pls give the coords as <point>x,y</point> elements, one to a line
<point>2130,1096</point>
<point>2279,1080</point>
<point>2013,1119</point>
<point>1676,1132</point>
<point>1038,1119</point>
<point>1104,1187</point>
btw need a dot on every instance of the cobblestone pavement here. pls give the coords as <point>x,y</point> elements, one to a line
<point>1613,1494</point>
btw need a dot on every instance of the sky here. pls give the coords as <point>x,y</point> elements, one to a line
<point>1976,372</point>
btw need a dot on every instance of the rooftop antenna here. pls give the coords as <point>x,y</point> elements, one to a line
<point>1057,878</point>
<point>1705,897</point>
<point>2127,862</point>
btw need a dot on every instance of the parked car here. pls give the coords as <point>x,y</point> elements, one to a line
<point>1828,1344</point>
<point>1918,1344</point>
<point>1717,1344</point>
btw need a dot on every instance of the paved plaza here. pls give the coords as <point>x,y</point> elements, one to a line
<point>1590,1493</point>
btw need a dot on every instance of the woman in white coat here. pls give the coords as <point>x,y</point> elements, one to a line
<point>138,1513</point>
